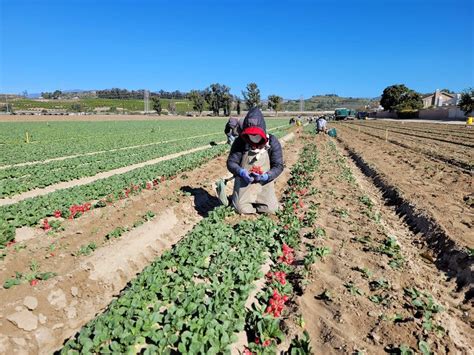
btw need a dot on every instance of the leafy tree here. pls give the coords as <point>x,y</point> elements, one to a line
<point>156,102</point>
<point>466,103</point>
<point>238,105</point>
<point>399,97</point>
<point>274,103</point>
<point>410,101</point>
<point>252,96</point>
<point>448,91</point>
<point>198,101</point>
<point>57,94</point>
<point>226,102</point>
<point>218,96</point>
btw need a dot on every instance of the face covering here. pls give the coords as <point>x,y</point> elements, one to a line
<point>255,138</point>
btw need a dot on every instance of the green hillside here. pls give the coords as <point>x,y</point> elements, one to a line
<point>89,104</point>
<point>328,102</point>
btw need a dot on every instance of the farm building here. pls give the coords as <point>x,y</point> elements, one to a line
<point>440,98</point>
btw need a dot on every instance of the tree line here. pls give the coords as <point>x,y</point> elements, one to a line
<point>217,97</point>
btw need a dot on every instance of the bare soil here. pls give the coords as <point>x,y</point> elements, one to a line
<point>349,321</point>
<point>437,188</point>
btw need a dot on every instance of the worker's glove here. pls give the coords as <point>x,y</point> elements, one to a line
<point>261,178</point>
<point>244,174</point>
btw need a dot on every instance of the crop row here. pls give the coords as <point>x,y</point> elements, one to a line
<point>264,321</point>
<point>58,139</point>
<point>25,178</point>
<point>28,212</point>
<point>192,298</point>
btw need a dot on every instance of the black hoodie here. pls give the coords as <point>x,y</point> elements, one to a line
<point>254,118</point>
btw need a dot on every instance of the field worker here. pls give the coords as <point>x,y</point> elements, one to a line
<point>232,129</point>
<point>256,160</point>
<point>321,125</point>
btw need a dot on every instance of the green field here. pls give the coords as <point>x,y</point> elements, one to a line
<point>89,104</point>
<point>81,149</point>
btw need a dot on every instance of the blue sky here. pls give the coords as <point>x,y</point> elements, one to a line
<point>290,48</point>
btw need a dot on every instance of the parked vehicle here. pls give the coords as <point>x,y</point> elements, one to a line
<point>362,115</point>
<point>344,114</point>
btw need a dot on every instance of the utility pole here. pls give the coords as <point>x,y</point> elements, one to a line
<point>301,103</point>
<point>146,100</point>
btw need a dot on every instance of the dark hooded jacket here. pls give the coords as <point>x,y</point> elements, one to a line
<point>233,127</point>
<point>254,119</point>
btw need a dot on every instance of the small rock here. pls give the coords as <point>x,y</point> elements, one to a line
<point>42,318</point>
<point>19,341</point>
<point>58,325</point>
<point>79,232</point>
<point>30,302</point>
<point>372,314</point>
<point>5,345</point>
<point>375,337</point>
<point>24,233</point>
<point>74,291</point>
<point>57,299</point>
<point>44,337</point>
<point>24,320</point>
<point>71,312</point>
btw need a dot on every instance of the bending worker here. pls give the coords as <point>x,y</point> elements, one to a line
<point>232,129</point>
<point>321,125</point>
<point>256,160</point>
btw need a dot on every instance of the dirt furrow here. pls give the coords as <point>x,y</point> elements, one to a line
<point>447,132</point>
<point>408,132</point>
<point>457,159</point>
<point>357,300</point>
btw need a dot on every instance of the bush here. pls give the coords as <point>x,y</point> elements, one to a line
<point>407,114</point>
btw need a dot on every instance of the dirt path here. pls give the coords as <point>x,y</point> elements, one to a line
<point>340,317</point>
<point>85,285</point>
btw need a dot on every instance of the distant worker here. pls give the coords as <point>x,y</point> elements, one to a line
<point>256,160</point>
<point>292,121</point>
<point>321,125</point>
<point>232,129</point>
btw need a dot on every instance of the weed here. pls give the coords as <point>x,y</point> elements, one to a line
<point>116,233</point>
<point>366,273</point>
<point>87,249</point>
<point>378,284</point>
<point>353,289</point>
<point>366,201</point>
<point>325,296</point>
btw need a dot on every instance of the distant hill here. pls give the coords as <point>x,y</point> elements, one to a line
<point>330,102</point>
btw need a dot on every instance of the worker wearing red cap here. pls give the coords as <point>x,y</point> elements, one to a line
<point>256,160</point>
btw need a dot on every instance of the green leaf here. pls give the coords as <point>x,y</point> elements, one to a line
<point>424,347</point>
